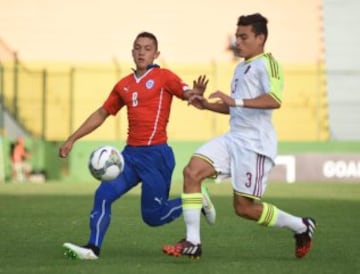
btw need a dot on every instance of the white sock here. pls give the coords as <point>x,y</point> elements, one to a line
<point>290,221</point>
<point>192,221</point>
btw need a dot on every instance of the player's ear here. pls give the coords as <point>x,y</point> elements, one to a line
<point>261,38</point>
<point>157,54</point>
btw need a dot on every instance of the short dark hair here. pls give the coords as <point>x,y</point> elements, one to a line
<point>257,21</point>
<point>149,35</point>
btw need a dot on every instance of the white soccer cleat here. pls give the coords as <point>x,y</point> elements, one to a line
<point>208,208</point>
<point>77,252</point>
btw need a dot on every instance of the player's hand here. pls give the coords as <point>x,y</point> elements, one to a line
<point>199,85</point>
<point>65,149</point>
<point>197,101</point>
<point>226,99</point>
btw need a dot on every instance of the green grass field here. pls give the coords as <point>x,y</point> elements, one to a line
<point>36,219</point>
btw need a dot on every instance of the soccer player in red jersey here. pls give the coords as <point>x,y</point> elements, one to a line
<point>147,94</point>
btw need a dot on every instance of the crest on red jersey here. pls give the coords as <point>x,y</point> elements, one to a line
<point>150,84</point>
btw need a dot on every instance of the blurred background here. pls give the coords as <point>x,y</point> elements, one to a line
<point>60,59</point>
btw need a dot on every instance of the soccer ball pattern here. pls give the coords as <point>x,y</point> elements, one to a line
<point>106,163</point>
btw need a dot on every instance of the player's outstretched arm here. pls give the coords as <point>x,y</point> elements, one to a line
<point>89,125</point>
<point>201,102</point>
<point>264,101</point>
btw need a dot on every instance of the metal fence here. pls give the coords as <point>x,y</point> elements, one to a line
<point>41,100</point>
<point>51,102</point>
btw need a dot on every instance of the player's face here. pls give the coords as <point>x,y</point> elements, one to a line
<point>144,53</point>
<point>248,44</point>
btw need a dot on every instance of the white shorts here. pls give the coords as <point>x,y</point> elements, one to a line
<point>247,169</point>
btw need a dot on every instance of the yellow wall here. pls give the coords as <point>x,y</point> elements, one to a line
<point>189,31</point>
<point>193,36</point>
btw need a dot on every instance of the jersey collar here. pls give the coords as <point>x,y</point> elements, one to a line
<point>255,57</point>
<point>148,67</point>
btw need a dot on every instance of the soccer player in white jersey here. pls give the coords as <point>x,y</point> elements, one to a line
<point>247,152</point>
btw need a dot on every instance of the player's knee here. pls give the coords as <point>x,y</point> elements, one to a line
<point>187,172</point>
<point>197,170</point>
<point>160,215</point>
<point>151,218</point>
<point>192,174</point>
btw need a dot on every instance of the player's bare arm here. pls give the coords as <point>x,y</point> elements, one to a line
<point>264,101</point>
<point>201,102</point>
<point>89,125</point>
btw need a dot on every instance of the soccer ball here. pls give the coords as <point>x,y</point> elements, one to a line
<point>106,163</point>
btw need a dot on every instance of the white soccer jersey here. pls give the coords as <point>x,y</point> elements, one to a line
<point>253,127</point>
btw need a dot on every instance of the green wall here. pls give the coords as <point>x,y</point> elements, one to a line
<point>74,168</point>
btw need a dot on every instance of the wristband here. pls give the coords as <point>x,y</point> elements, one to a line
<point>239,102</point>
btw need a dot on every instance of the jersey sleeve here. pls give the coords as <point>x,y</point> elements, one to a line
<point>114,102</point>
<point>174,84</point>
<point>274,78</point>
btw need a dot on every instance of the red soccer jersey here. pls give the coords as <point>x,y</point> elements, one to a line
<point>148,100</point>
